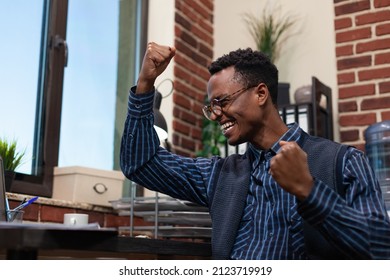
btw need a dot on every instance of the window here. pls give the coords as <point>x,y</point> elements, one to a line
<point>89,92</point>
<point>68,68</point>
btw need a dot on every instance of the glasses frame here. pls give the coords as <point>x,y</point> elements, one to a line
<point>216,107</point>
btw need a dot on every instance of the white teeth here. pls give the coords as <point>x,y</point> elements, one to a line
<point>227,125</point>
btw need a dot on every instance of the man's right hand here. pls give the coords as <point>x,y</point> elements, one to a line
<point>155,61</point>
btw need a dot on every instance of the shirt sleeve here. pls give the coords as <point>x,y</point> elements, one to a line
<point>358,223</point>
<point>145,162</point>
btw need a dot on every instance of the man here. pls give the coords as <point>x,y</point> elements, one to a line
<point>290,196</point>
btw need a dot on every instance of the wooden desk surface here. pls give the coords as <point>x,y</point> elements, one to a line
<point>30,242</point>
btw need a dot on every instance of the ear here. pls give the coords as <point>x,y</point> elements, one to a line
<point>262,94</point>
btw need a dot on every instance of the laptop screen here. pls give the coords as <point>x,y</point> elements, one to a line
<point>3,209</point>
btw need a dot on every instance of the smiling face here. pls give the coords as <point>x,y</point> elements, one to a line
<point>242,113</point>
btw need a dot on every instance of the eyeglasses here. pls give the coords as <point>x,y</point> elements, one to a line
<point>216,105</point>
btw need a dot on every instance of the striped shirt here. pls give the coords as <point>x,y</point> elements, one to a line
<point>271,225</point>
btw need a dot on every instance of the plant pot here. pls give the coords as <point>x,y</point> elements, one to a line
<point>9,178</point>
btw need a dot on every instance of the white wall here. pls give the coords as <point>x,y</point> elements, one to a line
<point>309,52</point>
<point>161,30</point>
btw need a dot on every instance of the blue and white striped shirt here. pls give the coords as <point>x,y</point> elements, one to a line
<point>271,225</point>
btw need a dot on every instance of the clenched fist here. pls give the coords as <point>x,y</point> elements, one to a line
<point>290,169</point>
<point>155,61</point>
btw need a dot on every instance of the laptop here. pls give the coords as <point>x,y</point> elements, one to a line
<point>3,198</point>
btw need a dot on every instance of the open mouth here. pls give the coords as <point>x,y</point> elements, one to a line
<point>226,127</point>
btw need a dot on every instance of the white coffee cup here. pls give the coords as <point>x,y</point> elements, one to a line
<point>75,219</point>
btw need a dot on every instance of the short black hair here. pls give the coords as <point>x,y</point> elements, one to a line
<point>251,67</point>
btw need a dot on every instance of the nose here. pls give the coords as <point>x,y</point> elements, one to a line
<point>214,117</point>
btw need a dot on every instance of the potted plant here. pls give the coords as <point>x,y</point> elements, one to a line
<point>269,31</point>
<point>12,159</point>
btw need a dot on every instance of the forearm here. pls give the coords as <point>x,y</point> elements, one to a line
<point>357,224</point>
<point>342,226</point>
<point>143,160</point>
<point>139,140</point>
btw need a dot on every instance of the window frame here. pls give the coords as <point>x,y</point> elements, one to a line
<point>49,122</point>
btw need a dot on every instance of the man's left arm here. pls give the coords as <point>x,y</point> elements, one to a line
<point>357,224</point>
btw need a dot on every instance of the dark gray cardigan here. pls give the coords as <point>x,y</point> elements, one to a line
<point>228,201</point>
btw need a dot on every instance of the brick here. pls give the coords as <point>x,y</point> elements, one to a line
<point>188,144</point>
<point>175,138</point>
<point>345,78</point>
<point>382,29</point>
<point>206,50</point>
<point>353,35</point>
<point>384,87</point>
<point>189,13</point>
<point>360,146</point>
<point>355,91</point>
<point>196,133</point>
<point>54,214</point>
<point>355,62</point>
<point>349,135</point>
<point>206,26</point>
<point>344,50</point>
<point>372,74</point>
<point>93,216</point>
<point>183,48</point>
<point>382,58</point>
<point>342,23</point>
<point>196,69</point>
<point>189,39</point>
<point>385,115</point>
<point>198,83</point>
<point>380,44</point>
<point>209,4</point>
<point>183,152</point>
<point>375,103</point>
<point>201,34</point>
<point>115,221</point>
<point>357,119</point>
<point>31,213</point>
<point>373,17</point>
<point>185,115</point>
<point>180,20</point>
<point>199,9</point>
<point>182,101</point>
<point>349,106</point>
<point>350,8</point>
<point>381,3</point>
<point>194,41</point>
<point>179,126</point>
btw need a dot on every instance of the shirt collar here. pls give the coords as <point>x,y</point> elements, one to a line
<point>292,134</point>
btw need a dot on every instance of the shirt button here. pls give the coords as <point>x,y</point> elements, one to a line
<point>137,106</point>
<point>271,234</point>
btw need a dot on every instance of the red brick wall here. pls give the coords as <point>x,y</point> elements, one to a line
<point>363,66</point>
<point>194,42</point>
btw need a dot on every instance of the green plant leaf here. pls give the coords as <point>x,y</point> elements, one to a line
<point>212,138</point>
<point>268,31</point>
<point>11,157</point>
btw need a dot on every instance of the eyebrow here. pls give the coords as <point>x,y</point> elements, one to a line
<point>221,96</point>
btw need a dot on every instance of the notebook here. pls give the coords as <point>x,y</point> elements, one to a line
<point>3,203</point>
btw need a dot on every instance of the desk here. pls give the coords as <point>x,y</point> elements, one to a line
<point>27,242</point>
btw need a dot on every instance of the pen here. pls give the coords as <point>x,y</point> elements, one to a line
<point>28,202</point>
<point>6,204</point>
